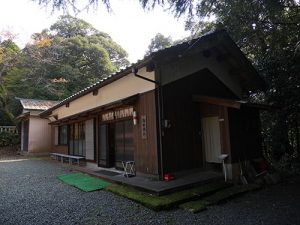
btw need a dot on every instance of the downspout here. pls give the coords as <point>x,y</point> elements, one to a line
<point>160,116</point>
<point>135,70</point>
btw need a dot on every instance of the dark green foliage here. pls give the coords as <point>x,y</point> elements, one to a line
<point>69,26</point>
<point>159,42</point>
<point>65,59</point>
<point>7,106</point>
<point>57,63</point>
<point>67,5</point>
<point>9,139</point>
<point>8,56</point>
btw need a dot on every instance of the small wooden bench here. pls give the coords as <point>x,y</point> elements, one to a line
<point>60,156</point>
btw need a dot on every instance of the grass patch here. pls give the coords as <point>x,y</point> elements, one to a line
<point>83,182</point>
<point>218,197</point>
<point>166,201</point>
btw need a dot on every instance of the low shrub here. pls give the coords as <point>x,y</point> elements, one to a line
<point>9,139</point>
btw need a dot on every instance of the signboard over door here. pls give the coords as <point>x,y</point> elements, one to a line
<point>117,114</point>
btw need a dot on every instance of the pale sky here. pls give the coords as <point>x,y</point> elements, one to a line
<point>129,25</point>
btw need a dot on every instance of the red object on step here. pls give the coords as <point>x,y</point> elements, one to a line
<point>169,176</point>
<point>262,166</point>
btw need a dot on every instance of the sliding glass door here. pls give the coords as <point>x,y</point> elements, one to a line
<point>103,145</point>
<point>77,139</point>
<point>115,143</point>
<point>124,146</point>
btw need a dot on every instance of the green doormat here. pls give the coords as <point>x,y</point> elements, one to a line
<point>83,182</point>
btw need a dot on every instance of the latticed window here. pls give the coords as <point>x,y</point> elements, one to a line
<point>77,139</point>
<point>63,135</point>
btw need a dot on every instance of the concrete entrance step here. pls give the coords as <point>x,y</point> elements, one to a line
<point>167,201</point>
<point>218,197</point>
<point>184,180</point>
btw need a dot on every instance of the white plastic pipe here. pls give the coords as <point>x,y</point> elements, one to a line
<point>223,157</point>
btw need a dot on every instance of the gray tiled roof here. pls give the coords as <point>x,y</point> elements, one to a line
<point>37,104</point>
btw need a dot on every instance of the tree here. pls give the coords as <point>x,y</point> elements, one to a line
<point>68,57</point>
<point>6,115</point>
<point>58,62</point>
<point>69,26</point>
<point>74,5</point>
<point>8,56</point>
<point>159,42</point>
<point>178,7</point>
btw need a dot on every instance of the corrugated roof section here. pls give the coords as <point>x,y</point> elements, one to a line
<point>37,104</point>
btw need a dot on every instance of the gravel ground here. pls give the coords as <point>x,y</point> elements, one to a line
<point>31,194</point>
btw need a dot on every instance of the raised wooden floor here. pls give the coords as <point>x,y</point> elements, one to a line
<point>183,179</point>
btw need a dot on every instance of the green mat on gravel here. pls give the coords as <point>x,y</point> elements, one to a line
<point>83,182</point>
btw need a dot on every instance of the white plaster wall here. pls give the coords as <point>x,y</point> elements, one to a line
<point>124,87</point>
<point>39,135</point>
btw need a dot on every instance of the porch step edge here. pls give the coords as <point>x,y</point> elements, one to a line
<point>169,201</point>
<point>218,197</point>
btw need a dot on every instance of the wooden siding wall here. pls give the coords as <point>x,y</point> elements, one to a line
<point>182,141</point>
<point>192,63</point>
<point>145,154</point>
<point>145,150</point>
<point>245,134</point>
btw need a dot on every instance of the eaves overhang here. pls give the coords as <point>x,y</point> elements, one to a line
<point>99,84</point>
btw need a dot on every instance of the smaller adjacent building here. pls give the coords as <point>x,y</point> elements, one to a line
<point>35,131</point>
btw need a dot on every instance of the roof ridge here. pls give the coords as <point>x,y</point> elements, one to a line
<point>33,99</point>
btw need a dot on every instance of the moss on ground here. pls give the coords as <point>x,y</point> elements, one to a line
<point>218,197</point>
<point>166,201</point>
<point>195,206</point>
